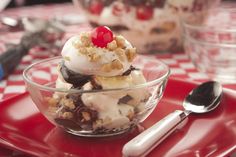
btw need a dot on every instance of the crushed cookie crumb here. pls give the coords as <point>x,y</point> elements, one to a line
<point>77,44</point>
<point>112,45</point>
<point>52,101</point>
<point>120,41</point>
<point>67,115</point>
<point>94,57</point>
<point>130,114</point>
<point>83,50</point>
<point>91,50</point>
<point>98,123</point>
<point>115,64</point>
<point>106,67</point>
<point>68,103</point>
<point>120,53</point>
<point>86,116</point>
<point>131,54</point>
<point>85,39</point>
<point>107,120</point>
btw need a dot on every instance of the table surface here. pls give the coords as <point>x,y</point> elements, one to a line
<point>179,63</point>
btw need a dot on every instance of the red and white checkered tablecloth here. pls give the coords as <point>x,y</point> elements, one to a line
<point>181,66</point>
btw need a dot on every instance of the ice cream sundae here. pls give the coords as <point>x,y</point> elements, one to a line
<point>98,60</point>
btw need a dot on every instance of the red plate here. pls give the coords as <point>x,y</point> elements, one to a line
<point>22,127</point>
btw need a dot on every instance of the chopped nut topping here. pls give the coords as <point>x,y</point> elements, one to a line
<point>120,41</point>
<point>98,123</point>
<point>91,50</point>
<point>67,115</point>
<point>116,64</point>
<point>68,103</point>
<point>51,101</point>
<point>86,116</point>
<point>94,57</point>
<point>83,50</point>
<point>106,67</point>
<point>112,45</point>
<point>131,54</point>
<point>85,39</point>
<point>130,114</point>
<point>107,120</point>
<point>77,44</point>
<point>121,53</point>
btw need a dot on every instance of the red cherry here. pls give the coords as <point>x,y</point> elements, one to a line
<point>144,12</point>
<point>96,7</point>
<point>101,36</point>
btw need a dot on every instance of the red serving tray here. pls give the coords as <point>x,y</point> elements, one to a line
<point>23,128</point>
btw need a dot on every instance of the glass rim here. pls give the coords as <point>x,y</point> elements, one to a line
<point>53,89</point>
<point>222,45</point>
<point>204,27</point>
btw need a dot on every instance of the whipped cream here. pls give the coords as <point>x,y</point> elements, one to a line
<point>80,63</point>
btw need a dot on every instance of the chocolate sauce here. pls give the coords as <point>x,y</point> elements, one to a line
<point>76,79</point>
<point>131,68</point>
<point>67,123</point>
<point>95,85</point>
<point>76,98</point>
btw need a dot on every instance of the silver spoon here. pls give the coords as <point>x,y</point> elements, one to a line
<point>205,98</point>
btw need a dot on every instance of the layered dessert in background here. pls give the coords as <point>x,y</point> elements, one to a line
<point>151,25</point>
<point>98,60</point>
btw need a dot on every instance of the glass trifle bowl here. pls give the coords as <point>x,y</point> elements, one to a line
<point>153,26</point>
<point>96,112</point>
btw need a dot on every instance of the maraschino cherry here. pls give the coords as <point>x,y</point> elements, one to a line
<point>101,36</point>
<point>96,7</point>
<point>144,12</point>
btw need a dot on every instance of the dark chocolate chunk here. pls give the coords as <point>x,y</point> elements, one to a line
<point>95,85</point>
<point>125,99</point>
<point>78,80</point>
<point>85,116</point>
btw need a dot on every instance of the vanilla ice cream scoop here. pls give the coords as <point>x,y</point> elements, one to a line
<point>90,54</point>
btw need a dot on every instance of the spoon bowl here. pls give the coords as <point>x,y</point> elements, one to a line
<point>205,98</point>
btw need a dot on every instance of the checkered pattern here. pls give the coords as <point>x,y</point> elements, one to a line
<point>181,66</point>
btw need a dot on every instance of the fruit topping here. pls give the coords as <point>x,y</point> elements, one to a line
<point>144,12</point>
<point>101,36</point>
<point>96,7</point>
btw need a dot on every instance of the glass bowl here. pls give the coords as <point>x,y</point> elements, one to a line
<point>123,108</point>
<point>211,46</point>
<point>152,26</point>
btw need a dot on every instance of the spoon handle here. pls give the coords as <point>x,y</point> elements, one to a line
<point>142,144</point>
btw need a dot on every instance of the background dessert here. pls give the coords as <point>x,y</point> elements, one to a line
<point>151,25</point>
